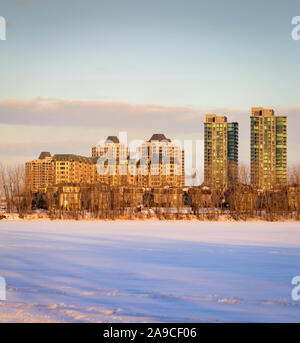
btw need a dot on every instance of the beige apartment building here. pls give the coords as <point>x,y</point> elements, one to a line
<point>157,162</point>
<point>68,168</point>
<point>60,169</point>
<point>268,148</point>
<point>161,163</point>
<point>39,173</point>
<point>220,151</point>
<point>112,157</point>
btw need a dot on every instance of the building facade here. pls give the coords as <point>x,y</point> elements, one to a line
<point>156,163</point>
<point>268,148</point>
<point>68,168</point>
<point>161,163</point>
<point>39,173</point>
<point>220,151</point>
<point>112,157</point>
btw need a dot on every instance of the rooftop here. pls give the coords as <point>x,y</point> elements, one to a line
<point>70,157</point>
<point>213,118</point>
<point>262,112</point>
<point>112,139</point>
<point>159,137</point>
<point>44,154</point>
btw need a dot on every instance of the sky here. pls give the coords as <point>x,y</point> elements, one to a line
<point>73,72</point>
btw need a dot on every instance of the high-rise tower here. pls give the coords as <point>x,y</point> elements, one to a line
<point>220,151</point>
<point>268,148</point>
<point>39,173</point>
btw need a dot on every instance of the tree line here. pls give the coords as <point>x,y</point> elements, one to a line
<point>241,201</point>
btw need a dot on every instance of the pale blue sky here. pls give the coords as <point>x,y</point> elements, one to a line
<point>198,53</point>
<point>191,56</point>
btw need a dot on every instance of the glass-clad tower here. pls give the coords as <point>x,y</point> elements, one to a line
<point>233,151</point>
<point>220,151</point>
<point>268,148</point>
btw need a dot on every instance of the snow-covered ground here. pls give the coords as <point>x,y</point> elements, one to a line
<point>135,271</point>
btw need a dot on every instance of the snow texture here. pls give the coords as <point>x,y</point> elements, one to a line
<point>149,271</point>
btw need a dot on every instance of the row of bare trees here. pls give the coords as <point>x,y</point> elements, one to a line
<point>293,178</point>
<point>241,202</point>
<point>12,188</point>
<point>282,202</point>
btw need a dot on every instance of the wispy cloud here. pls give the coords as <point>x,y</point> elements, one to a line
<point>83,123</point>
<point>23,2</point>
<point>55,112</point>
<point>33,149</point>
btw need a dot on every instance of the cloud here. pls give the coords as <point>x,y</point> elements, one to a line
<point>23,2</point>
<point>120,115</point>
<point>34,148</point>
<point>55,112</point>
<point>74,126</point>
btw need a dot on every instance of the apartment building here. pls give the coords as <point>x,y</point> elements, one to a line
<point>112,157</point>
<point>68,168</point>
<point>220,151</point>
<point>268,148</point>
<point>39,173</point>
<point>161,163</point>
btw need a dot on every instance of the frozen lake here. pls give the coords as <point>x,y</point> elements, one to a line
<point>137,271</point>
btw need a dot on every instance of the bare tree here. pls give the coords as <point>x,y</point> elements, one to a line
<point>244,174</point>
<point>5,189</point>
<point>294,175</point>
<point>12,182</point>
<point>17,180</point>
